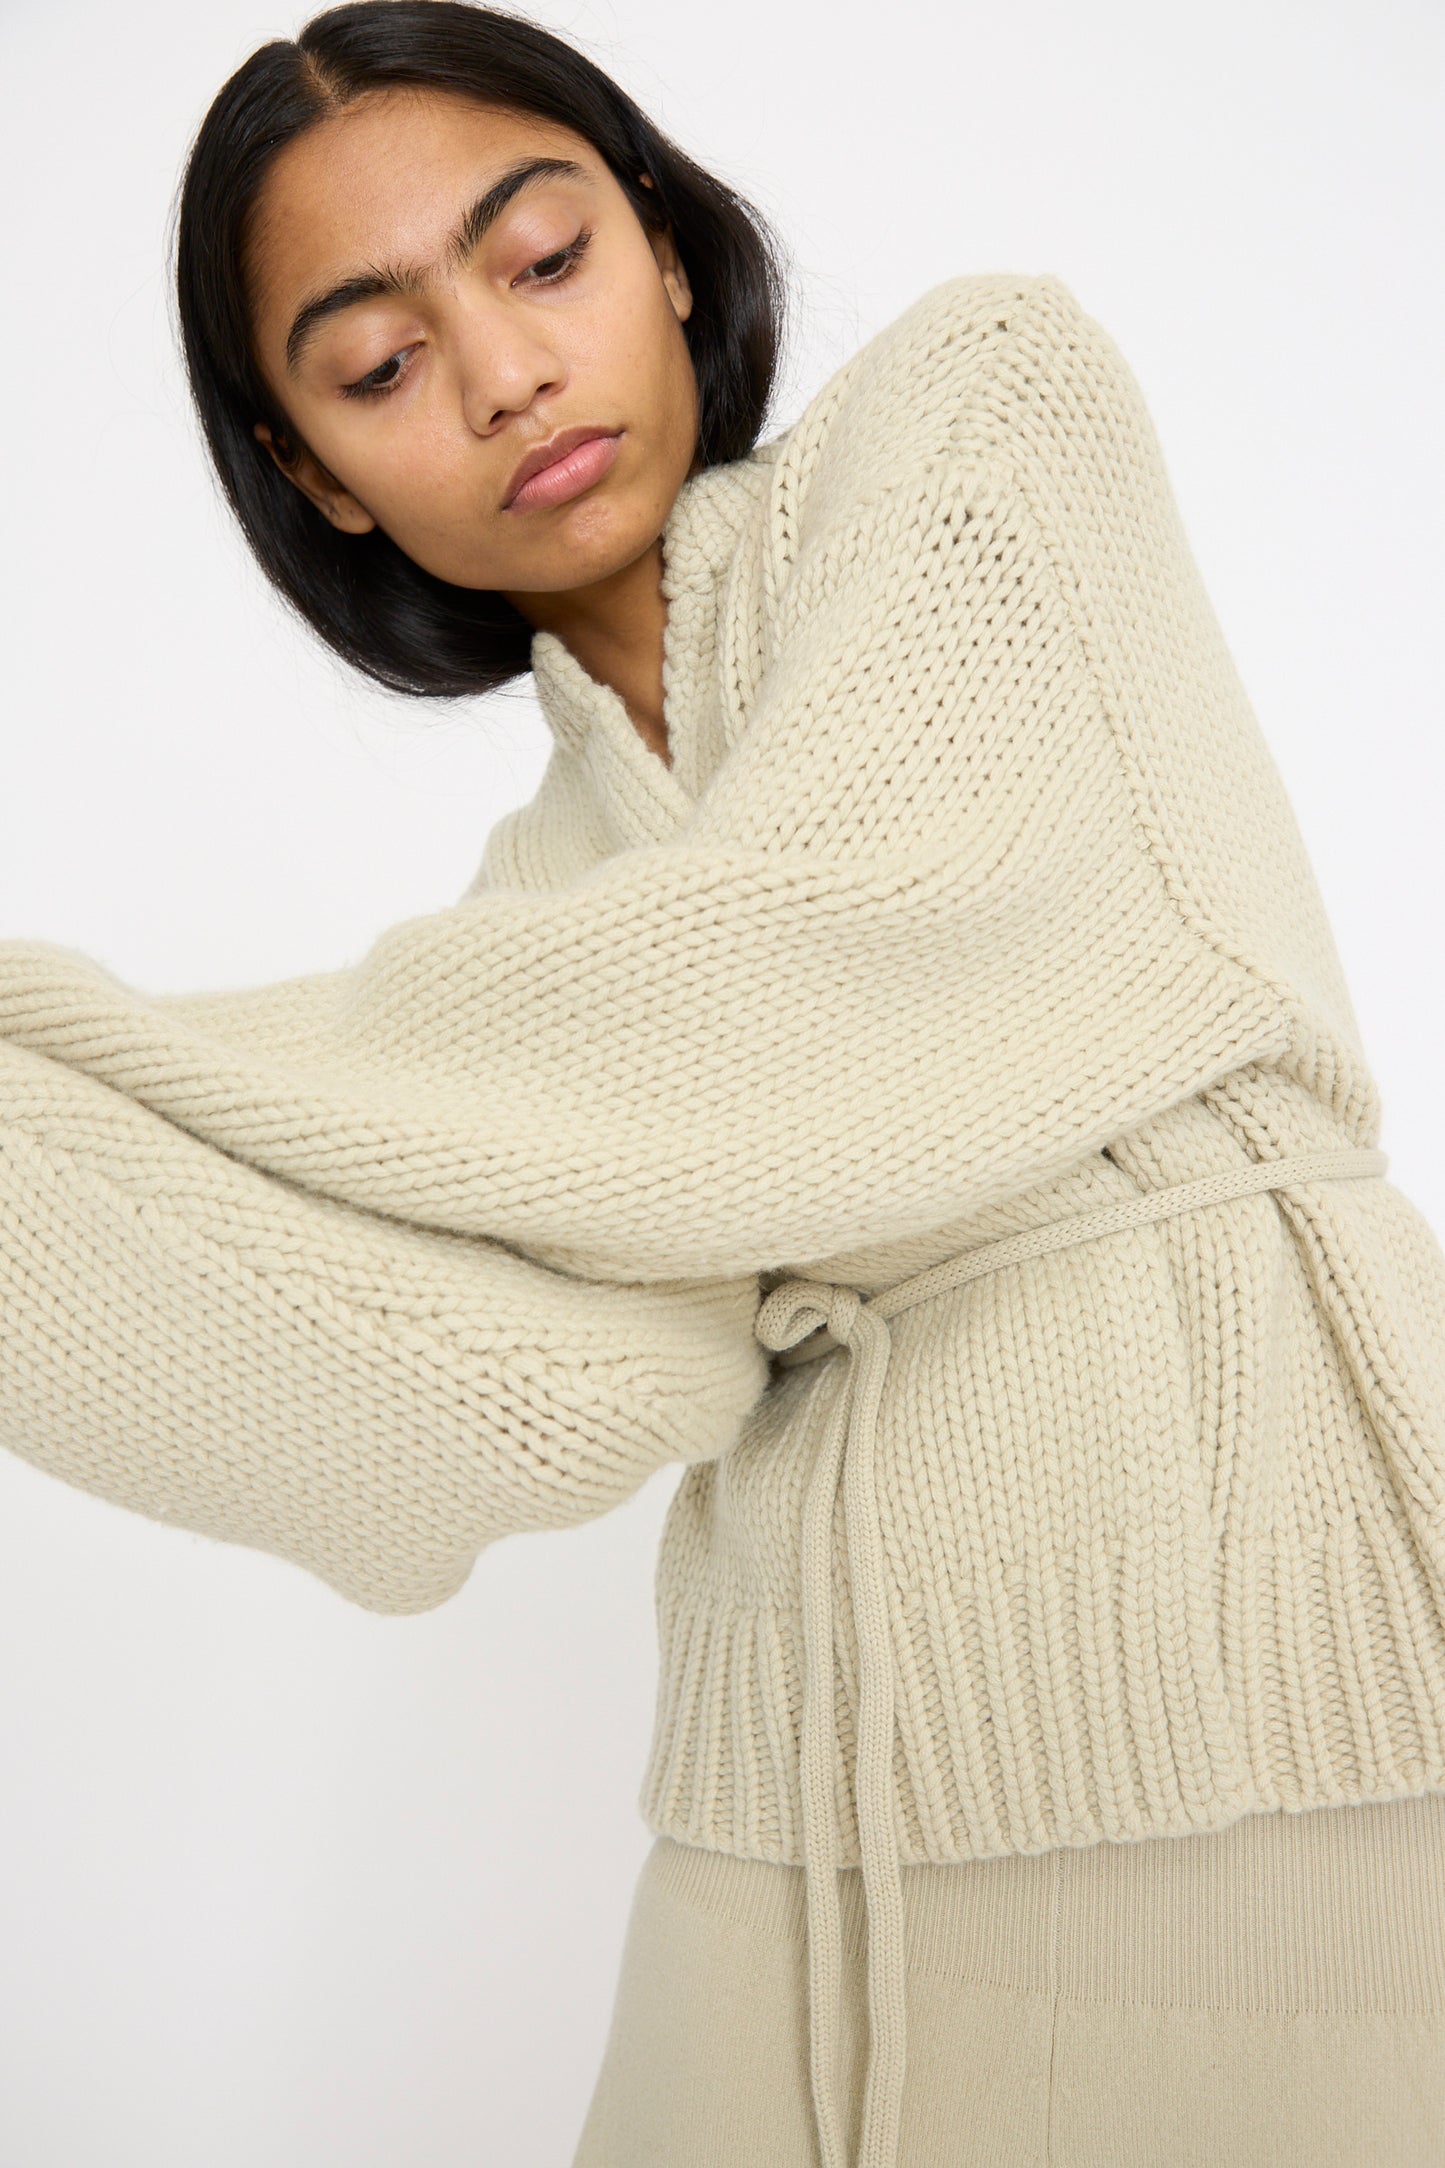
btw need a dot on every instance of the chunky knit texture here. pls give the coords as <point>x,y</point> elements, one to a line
<point>971,899</point>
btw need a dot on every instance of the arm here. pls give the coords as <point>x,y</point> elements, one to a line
<point>203,1344</point>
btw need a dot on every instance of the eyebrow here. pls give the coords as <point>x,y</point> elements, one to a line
<point>406,281</point>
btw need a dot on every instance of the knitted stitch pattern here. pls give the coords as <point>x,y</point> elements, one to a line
<point>971,898</point>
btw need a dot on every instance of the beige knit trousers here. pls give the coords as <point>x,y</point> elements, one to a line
<point>1270,1995</point>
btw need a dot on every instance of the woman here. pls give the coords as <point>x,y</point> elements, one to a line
<point>899,1051</point>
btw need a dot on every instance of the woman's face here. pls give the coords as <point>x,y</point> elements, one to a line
<point>411,410</point>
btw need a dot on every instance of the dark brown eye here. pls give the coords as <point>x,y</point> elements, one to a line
<point>566,258</point>
<point>375,384</point>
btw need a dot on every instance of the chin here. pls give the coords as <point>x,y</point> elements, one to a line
<point>599,537</point>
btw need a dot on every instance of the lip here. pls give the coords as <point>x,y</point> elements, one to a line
<point>573,476</point>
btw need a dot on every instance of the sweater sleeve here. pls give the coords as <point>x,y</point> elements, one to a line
<point>204,1344</point>
<point>923,941</point>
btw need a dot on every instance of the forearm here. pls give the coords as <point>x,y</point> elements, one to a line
<point>214,1348</point>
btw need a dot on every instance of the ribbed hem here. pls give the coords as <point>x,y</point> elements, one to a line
<point>1312,1675</point>
<point>1338,1909</point>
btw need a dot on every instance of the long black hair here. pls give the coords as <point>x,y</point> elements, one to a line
<point>373,605</point>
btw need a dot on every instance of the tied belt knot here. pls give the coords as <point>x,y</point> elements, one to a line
<point>800,1320</point>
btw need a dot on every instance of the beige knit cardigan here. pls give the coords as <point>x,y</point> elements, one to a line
<point>971,902</point>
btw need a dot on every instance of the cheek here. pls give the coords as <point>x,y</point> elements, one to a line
<point>419,478</point>
<point>660,386</point>
<point>639,331</point>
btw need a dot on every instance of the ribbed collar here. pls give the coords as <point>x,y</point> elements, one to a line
<point>710,516</point>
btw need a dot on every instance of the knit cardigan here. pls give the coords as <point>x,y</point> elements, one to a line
<point>970,900</point>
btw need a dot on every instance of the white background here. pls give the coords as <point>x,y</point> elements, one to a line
<point>284,1884</point>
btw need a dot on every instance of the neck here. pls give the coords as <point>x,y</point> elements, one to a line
<point>615,629</point>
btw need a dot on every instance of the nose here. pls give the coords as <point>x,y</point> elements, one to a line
<point>505,363</point>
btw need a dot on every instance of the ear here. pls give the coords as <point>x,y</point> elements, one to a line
<point>313,480</point>
<point>670,264</point>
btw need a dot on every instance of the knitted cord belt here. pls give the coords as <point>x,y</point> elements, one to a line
<point>801,1319</point>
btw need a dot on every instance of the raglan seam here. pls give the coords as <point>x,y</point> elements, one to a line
<point>1150,825</point>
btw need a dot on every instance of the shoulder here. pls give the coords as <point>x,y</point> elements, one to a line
<point>923,377</point>
<point>986,364</point>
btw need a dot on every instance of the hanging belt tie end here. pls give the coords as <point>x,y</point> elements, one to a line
<point>791,1314</point>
